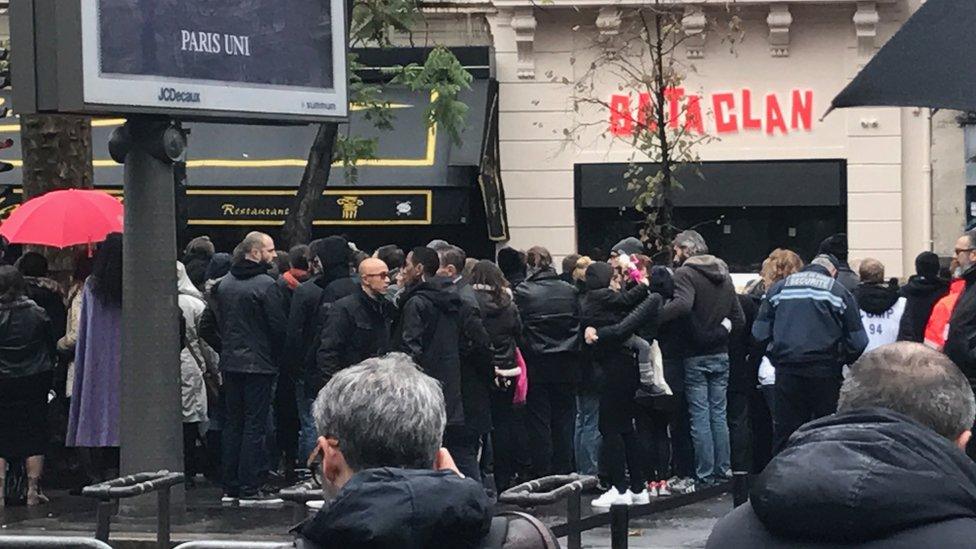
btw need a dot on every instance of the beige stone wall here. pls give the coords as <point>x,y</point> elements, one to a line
<point>948,181</point>
<point>882,146</point>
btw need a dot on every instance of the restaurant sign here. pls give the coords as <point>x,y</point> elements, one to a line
<point>337,207</point>
<point>269,207</point>
<point>731,112</point>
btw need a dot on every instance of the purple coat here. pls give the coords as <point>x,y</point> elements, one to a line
<point>94,417</point>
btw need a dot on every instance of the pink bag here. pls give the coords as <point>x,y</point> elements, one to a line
<point>522,384</point>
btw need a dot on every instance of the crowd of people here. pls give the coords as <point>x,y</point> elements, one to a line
<point>659,376</point>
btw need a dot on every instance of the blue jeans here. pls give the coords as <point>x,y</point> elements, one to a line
<point>307,436</point>
<point>247,402</point>
<point>706,381</point>
<point>587,436</point>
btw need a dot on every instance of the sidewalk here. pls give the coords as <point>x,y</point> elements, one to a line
<point>206,519</point>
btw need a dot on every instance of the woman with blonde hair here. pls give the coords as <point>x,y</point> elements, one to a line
<point>780,264</point>
<point>579,273</point>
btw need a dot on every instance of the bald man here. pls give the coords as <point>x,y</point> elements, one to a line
<point>357,326</point>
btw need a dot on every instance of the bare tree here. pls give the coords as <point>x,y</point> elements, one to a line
<point>667,125</point>
<point>57,154</point>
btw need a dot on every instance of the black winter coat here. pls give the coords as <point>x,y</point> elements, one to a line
<point>869,477</point>
<point>921,294</point>
<point>703,296</point>
<point>27,342</point>
<point>549,310</point>
<point>251,320</point>
<point>428,329</point>
<point>356,327</point>
<point>46,293</point>
<point>614,362</point>
<point>309,306</point>
<point>503,326</point>
<point>401,509</point>
<point>744,354</point>
<point>960,344</point>
<point>476,370</point>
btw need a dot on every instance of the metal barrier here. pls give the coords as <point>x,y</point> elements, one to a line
<point>43,542</point>
<point>549,490</point>
<point>233,545</point>
<point>111,491</point>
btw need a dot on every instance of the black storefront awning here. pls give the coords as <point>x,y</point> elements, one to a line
<point>247,175</point>
<point>724,184</point>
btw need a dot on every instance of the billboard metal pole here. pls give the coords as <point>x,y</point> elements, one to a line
<point>151,414</point>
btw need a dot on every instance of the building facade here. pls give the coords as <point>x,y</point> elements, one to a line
<point>890,177</point>
<point>775,174</point>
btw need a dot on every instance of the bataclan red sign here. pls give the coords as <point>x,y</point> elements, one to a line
<point>733,112</point>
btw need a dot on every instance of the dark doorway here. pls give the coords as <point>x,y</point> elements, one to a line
<point>743,209</point>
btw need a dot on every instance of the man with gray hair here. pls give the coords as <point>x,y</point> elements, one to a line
<point>704,310</point>
<point>380,426</point>
<point>811,327</point>
<point>887,471</point>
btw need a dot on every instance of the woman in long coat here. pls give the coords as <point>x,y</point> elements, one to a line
<point>93,421</point>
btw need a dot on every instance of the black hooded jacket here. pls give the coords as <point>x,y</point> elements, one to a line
<point>871,477</point>
<point>704,296</point>
<point>921,294</point>
<point>428,329</point>
<point>310,304</point>
<point>251,319</point>
<point>875,299</point>
<point>401,509</point>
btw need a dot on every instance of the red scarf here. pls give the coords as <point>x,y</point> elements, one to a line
<point>295,277</point>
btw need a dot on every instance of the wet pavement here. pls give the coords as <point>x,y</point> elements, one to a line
<point>205,518</point>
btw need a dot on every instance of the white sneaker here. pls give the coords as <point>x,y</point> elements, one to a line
<point>640,498</point>
<point>663,489</point>
<point>315,504</point>
<point>612,497</point>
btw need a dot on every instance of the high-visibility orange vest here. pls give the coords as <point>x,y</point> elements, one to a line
<point>937,328</point>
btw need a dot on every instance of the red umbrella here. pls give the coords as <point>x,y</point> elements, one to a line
<point>64,218</point>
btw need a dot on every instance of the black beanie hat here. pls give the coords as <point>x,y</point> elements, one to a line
<point>629,246</point>
<point>332,251</point>
<point>835,245</point>
<point>927,265</point>
<point>598,275</point>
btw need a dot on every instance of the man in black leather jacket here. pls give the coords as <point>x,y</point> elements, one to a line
<point>251,321</point>
<point>550,315</point>
<point>356,327</point>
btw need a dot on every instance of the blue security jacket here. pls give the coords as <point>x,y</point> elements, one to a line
<point>811,323</point>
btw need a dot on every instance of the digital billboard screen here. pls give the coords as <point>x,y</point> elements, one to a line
<point>263,57</point>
